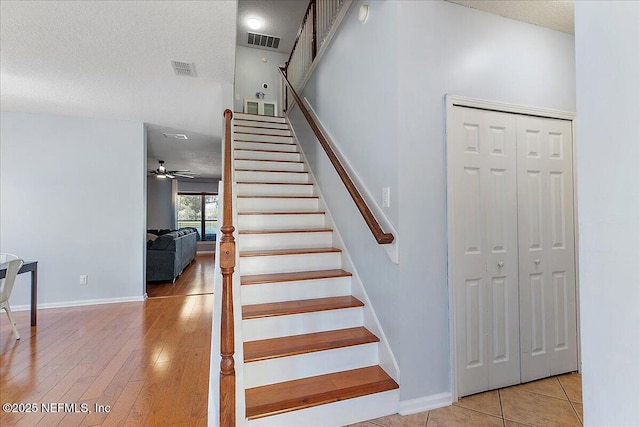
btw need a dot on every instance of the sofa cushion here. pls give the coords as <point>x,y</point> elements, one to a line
<point>162,243</point>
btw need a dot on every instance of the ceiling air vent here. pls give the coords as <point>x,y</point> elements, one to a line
<point>263,40</point>
<point>182,68</point>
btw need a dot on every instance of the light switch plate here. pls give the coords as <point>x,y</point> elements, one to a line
<point>386,197</point>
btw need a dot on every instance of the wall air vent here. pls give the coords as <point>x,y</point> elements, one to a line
<point>175,135</point>
<point>263,40</point>
<point>182,68</point>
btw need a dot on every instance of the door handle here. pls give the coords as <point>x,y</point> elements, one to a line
<point>500,264</point>
<point>537,261</point>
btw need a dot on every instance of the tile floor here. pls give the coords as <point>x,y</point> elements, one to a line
<point>555,401</point>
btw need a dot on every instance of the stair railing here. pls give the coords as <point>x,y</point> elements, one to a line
<point>380,236</point>
<point>320,21</point>
<point>227,266</point>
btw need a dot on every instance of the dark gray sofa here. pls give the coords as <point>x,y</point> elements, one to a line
<point>169,254</point>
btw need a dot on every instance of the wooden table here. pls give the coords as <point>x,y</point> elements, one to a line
<point>30,266</point>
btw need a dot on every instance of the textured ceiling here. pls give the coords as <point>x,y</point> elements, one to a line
<point>111,59</point>
<point>280,18</point>
<point>554,14</point>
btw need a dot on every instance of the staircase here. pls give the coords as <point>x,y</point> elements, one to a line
<point>308,360</point>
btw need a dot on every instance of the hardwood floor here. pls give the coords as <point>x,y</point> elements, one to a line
<point>196,279</point>
<point>148,362</point>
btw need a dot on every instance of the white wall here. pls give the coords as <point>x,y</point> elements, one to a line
<point>368,93</point>
<point>251,72</point>
<point>359,112</point>
<point>392,73</point>
<point>445,48</point>
<point>72,198</point>
<point>608,131</point>
<point>160,206</point>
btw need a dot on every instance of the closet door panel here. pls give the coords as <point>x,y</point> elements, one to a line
<point>468,245</point>
<point>546,241</point>
<point>484,246</point>
<point>500,203</point>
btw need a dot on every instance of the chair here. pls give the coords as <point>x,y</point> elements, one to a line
<point>12,265</point>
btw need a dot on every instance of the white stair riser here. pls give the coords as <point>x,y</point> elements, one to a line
<point>262,138</point>
<point>242,131</point>
<point>265,155</point>
<point>269,165</point>
<point>289,263</point>
<point>299,240</point>
<point>260,118</point>
<point>291,368</point>
<point>280,221</point>
<point>242,122</point>
<point>241,145</point>
<point>274,189</point>
<point>306,323</point>
<point>253,176</point>
<point>265,293</point>
<point>341,413</point>
<point>271,204</point>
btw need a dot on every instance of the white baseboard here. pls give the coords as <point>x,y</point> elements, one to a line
<point>78,303</point>
<point>426,403</point>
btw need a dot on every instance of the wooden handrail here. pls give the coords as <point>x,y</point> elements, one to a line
<point>227,265</point>
<point>380,236</point>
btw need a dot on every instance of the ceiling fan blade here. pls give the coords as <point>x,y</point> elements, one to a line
<point>168,175</point>
<point>183,170</point>
<point>183,176</point>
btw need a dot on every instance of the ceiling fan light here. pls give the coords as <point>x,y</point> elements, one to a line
<point>162,176</point>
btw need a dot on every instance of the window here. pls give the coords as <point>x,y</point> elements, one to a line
<point>199,210</point>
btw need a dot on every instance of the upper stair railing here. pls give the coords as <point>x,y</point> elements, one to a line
<point>320,21</point>
<point>227,266</point>
<point>380,236</point>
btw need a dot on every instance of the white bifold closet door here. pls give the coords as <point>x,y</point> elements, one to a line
<point>548,331</point>
<point>485,249</point>
<point>511,248</point>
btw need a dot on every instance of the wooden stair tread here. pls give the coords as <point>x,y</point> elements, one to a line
<point>272,252</point>
<point>270,160</point>
<point>282,213</point>
<point>266,151</point>
<point>298,307</point>
<point>276,196</point>
<point>244,131</point>
<point>254,279</point>
<point>313,391</point>
<point>258,121</point>
<point>235,115</point>
<point>284,230</point>
<point>306,343</point>
<point>274,183</point>
<point>242,125</point>
<point>253,141</point>
<point>269,171</point>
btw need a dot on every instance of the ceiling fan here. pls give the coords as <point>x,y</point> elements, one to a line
<point>162,172</point>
